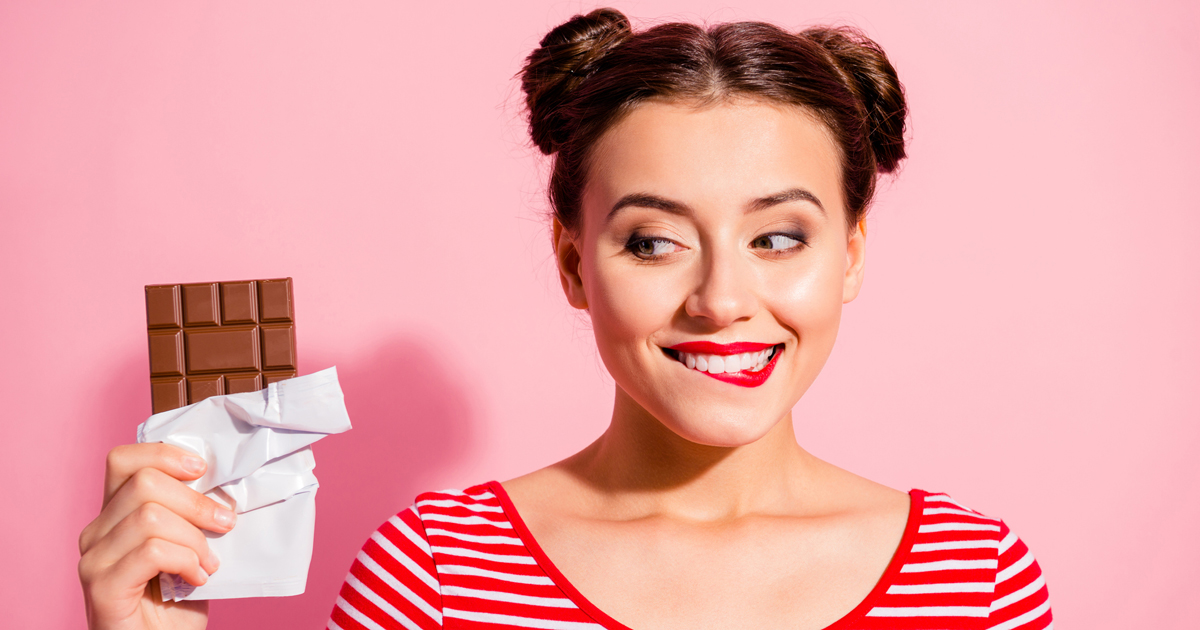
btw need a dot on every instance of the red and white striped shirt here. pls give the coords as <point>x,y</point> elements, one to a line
<point>466,560</point>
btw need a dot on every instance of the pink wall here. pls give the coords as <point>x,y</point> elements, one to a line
<point>1026,340</point>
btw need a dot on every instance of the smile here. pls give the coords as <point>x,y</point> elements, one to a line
<point>744,363</point>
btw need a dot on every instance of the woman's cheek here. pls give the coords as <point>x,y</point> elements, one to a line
<point>626,306</point>
<point>809,303</point>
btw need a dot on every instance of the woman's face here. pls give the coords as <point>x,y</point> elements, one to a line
<point>714,259</point>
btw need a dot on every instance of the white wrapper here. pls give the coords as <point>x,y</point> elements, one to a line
<point>256,446</point>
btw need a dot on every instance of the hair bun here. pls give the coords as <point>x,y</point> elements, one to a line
<point>565,57</point>
<point>872,78</point>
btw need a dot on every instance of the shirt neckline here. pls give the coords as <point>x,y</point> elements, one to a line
<point>915,509</point>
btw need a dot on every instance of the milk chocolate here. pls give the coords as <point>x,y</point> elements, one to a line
<point>218,338</point>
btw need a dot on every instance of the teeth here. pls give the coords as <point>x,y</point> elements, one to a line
<point>727,364</point>
<point>716,364</point>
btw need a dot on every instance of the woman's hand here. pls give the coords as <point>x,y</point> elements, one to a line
<point>150,522</point>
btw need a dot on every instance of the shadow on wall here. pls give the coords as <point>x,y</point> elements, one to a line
<point>411,418</point>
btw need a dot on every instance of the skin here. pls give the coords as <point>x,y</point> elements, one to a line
<point>698,495</point>
<point>150,522</point>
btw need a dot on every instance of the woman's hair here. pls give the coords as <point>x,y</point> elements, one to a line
<point>593,69</point>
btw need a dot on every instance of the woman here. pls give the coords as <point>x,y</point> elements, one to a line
<point>709,188</point>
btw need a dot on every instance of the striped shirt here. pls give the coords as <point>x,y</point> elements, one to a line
<point>466,560</point>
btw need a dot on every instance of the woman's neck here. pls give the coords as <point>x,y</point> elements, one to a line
<point>639,468</point>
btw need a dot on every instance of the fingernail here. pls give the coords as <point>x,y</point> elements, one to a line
<point>224,517</point>
<point>213,561</point>
<point>193,464</point>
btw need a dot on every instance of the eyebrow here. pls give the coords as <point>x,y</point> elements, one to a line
<point>646,200</point>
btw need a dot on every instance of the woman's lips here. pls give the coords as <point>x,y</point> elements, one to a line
<point>744,363</point>
<point>709,347</point>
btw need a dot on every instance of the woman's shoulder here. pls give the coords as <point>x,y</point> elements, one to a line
<point>940,523</point>
<point>941,512</point>
<point>395,580</point>
<point>937,515</point>
<point>452,509</point>
<point>464,515</point>
<point>477,498</point>
<point>957,552</point>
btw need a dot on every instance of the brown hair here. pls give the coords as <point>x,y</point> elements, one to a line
<point>593,69</point>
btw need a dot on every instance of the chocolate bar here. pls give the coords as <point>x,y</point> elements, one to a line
<point>218,338</point>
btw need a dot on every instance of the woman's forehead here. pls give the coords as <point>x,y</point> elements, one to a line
<point>724,152</point>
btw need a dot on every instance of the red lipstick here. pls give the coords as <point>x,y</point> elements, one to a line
<point>743,378</point>
<point>723,349</point>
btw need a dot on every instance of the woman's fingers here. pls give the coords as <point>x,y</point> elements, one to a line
<point>151,485</point>
<point>121,585</point>
<point>152,520</point>
<point>150,523</point>
<point>126,460</point>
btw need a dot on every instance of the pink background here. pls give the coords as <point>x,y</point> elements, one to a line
<point>1026,340</point>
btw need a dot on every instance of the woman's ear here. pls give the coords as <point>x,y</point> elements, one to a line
<point>856,259</point>
<point>566,253</point>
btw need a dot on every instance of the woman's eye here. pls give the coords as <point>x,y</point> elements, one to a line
<point>777,241</point>
<point>652,247</point>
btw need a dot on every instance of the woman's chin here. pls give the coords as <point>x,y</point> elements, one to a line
<point>722,430</point>
<point>701,418</point>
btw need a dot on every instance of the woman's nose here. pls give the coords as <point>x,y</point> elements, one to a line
<point>724,291</point>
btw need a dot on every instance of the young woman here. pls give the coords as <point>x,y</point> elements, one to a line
<point>709,188</point>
